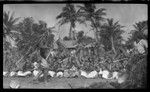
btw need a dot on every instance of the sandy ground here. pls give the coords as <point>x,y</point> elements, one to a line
<point>54,83</point>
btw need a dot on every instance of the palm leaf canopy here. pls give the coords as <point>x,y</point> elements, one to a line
<point>88,11</point>
<point>111,29</point>
<point>68,15</point>
<point>140,26</point>
<point>8,22</point>
<point>138,33</point>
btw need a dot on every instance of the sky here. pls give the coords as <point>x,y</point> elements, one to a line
<point>126,14</point>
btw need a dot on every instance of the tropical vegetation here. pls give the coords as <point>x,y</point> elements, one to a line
<point>34,42</point>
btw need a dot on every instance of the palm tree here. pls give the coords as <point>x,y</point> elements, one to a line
<point>111,30</point>
<point>89,12</point>
<point>9,33</point>
<point>9,23</point>
<point>137,63</point>
<point>69,15</point>
<point>140,30</point>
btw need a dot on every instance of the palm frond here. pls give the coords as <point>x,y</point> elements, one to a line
<point>63,21</point>
<point>8,22</point>
<point>11,17</point>
<point>60,15</point>
<point>81,8</point>
<point>81,21</point>
<point>110,22</point>
<point>15,20</point>
<point>138,34</point>
<point>100,12</point>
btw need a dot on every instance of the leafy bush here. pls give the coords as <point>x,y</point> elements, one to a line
<point>138,71</point>
<point>10,58</point>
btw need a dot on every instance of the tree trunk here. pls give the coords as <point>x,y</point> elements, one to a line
<point>112,45</point>
<point>96,31</point>
<point>70,31</point>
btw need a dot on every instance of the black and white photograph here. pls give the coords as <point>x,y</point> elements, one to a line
<point>75,46</point>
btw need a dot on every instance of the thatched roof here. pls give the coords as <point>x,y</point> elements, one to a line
<point>66,44</point>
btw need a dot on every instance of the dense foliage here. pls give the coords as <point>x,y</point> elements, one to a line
<point>35,41</point>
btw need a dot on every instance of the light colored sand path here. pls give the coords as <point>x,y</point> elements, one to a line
<point>55,83</point>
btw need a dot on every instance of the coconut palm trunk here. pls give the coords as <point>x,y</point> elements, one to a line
<point>70,32</point>
<point>112,45</point>
<point>96,30</point>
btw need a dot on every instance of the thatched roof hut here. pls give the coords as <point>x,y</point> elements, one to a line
<point>70,44</point>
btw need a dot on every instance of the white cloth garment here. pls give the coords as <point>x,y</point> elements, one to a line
<point>92,74</point>
<point>20,73</point>
<point>5,73</point>
<point>115,75</point>
<point>83,73</point>
<point>51,73</point>
<point>59,74</point>
<point>100,72</point>
<point>105,74</point>
<point>27,72</point>
<point>122,78</point>
<point>12,73</point>
<point>36,72</point>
